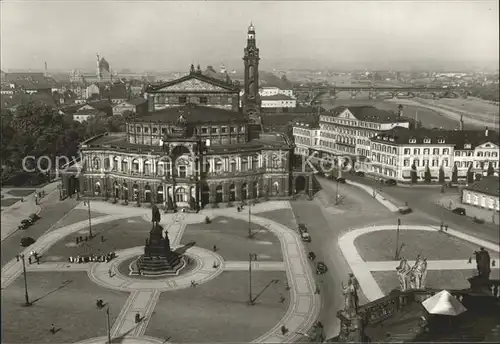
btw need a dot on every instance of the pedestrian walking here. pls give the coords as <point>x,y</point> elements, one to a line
<point>137,318</point>
<point>446,227</point>
<point>38,260</point>
<point>110,272</point>
<point>470,260</point>
<point>284,330</point>
<point>282,298</point>
<point>29,259</point>
<point>493,263</point>
<point>193,283</point>
<point>317,291</point>
<point>102,238</point>
<point>17,257</point>
<point>215,248</point>
<point>215,265</point>
<point>52,329</point>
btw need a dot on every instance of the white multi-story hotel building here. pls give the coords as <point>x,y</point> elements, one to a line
<point>347,130</point>
<point>393,149</point>
<point>453,154</point>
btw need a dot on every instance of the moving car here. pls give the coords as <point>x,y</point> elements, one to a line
<point>302,228</point>
<point>459,211</point>
<point>405,210</point>
<point>341,180</point>
<point>305,237</point>
<point>391,182</point>
<point>27,241</point>
<point>359,173</point>
<point>321,268</point>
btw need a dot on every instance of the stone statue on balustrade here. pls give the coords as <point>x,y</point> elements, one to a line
<point>351,299</point>
<point>483,262</point>
<point>412,277</point>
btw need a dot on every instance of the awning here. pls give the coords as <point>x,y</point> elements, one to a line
<point>443,303</point>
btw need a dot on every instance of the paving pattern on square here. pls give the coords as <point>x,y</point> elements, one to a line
<point>144,293</point>
<point>362,269</point>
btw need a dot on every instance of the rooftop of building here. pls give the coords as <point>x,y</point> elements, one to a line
<point>458,138</point>
<point>196,74</point>
<point>194,114</point>
<point>488,185</point>
<point>276,97</point>
<point>119,141</point>
<point>367,113</point>
<point>118,91</point>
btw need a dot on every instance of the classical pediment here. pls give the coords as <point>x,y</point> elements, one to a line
<point>347,115</point>
<point>487,145</point>
<point>192,85</point>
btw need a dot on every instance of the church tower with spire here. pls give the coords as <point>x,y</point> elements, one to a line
<point>98,68</point>
<point>251,99</point>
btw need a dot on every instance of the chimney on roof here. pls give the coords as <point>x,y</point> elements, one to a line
<point>486,131</point>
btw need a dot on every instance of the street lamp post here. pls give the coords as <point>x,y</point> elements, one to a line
<point>90,223</point>
<point>249,219</point>
<point>26,297</point>
<point>251,257</point>
<point>396,255</point>
<point>108,325</point>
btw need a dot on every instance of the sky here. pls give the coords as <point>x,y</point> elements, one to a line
<point>170,35</point>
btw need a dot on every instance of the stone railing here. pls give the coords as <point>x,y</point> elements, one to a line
<point>387,306</point>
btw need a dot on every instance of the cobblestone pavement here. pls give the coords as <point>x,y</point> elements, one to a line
<point>362,269</point>
<point>13,215</point>
<point>304,303</point>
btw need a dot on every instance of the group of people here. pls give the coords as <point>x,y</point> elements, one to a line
<point>104,258</point>
<point>33,257</point>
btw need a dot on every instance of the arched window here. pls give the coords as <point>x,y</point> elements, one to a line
<point>276,188</point>
<point>255,162</point>
<point>244,164</point>
<point>276,161</point>
<point>232,166</point>
<point>106,164</point>
<point>159,194</point>
<point>219,165</point>
<point>147,167</point>
<point>135,166</point>
<point>96,163</point>
<point>232,193</point>
<point>124,165</point>
<point>182,168</point>
<point>180,195</point>
<point>116,163</point>
<point>244,191</point>
<point>218,194</point>
<point>147,193</point>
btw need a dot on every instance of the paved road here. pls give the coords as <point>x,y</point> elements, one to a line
<point>326,223</point>
<point>52,211</point>
<point>420,199</point>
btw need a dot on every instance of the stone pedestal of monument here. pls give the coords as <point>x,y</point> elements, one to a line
<point>158,258</point>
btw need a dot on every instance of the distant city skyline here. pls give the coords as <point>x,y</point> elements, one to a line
<point>169,36</point>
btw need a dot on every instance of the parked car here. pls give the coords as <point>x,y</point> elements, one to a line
<point>321,268</point>
<point>302,228</point>
<point>391,182</point>
<point>305,237</point>
<point>459,211</point>
<point>359,173</point>
<point>341,180</point>
<point>311,255</point>
<point>405,210</point>
<point>27,241</point>
<point>34,217</point>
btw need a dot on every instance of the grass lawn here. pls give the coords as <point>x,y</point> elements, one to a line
<point>217,311</point>
<point>7,202</point>
<point>76,215</point>
<point>283,216</point>
<point>231,238</point>
<point>380,245</point>
<point>20,192</point>
<point>438,279</point>
<point>71,308</point>
<point>118,235</point>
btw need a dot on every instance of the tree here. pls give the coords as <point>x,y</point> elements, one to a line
<point>427,174</point>
<point>441,175</point>
<point>413,174</point>
<point>490,170</point>
<point>454,174</point>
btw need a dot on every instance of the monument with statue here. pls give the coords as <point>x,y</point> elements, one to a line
<point>404,316</point>
<point>159,259</point>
